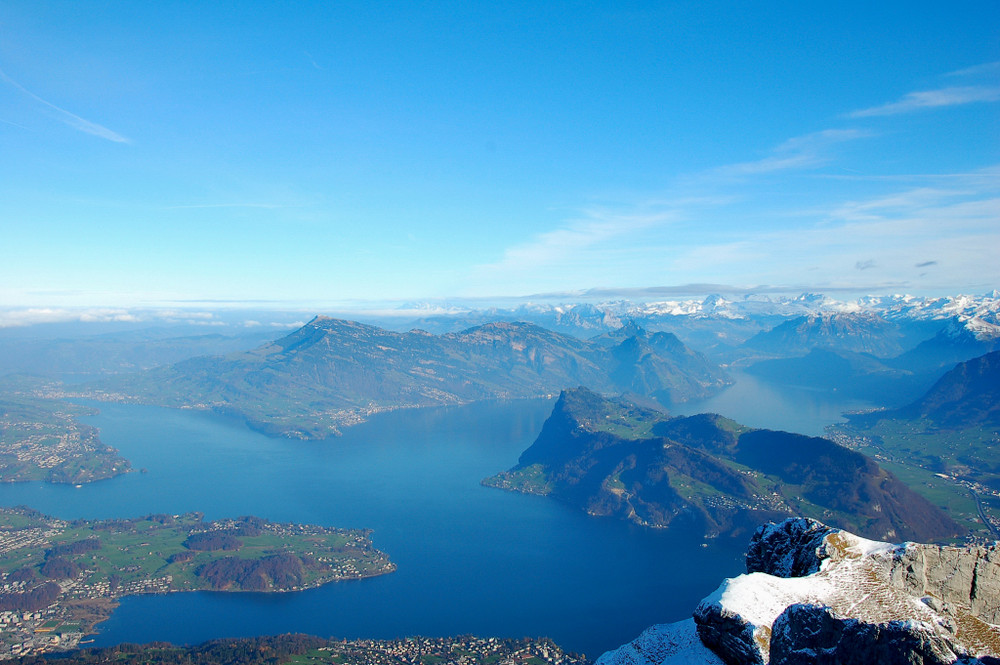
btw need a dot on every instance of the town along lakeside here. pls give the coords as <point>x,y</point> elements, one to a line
<point>61,578</point>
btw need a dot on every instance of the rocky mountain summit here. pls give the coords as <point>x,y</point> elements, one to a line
<point>814,594</point>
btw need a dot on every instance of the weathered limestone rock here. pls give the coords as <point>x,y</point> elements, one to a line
<point>969,577</point>
<point>792,548</point>
<point>854,600</point>
<point>733,638</point>
<point>814,635</point>
<point>814,595</point>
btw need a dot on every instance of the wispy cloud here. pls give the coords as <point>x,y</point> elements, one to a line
<point>725,228</point>
<point>699,290</point>
<point>20,317</point>
<point>926,99</point>
<point>978,70</point>
<point>796,153</point>
<point>596,228</point>
<point>955,224</point>
<point>12,123</point>
<point>13,318</point>
<point>71,119</point>
<point>312,61</point>
<point>601,240</point>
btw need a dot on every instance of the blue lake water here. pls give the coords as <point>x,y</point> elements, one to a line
<point>471,559</point>
<point>756,403</point>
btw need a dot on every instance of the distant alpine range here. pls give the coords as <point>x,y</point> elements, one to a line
<point>332,373</point>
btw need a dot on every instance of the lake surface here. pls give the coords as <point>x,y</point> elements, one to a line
<point>471,559</point>
<point>755,402</point>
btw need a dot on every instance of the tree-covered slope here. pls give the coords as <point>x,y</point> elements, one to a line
<point>331,373</point>
<point>614,458</point>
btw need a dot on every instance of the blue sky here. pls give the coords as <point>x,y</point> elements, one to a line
<point>335,153</point>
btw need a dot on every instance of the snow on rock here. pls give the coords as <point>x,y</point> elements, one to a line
<point>815,594</point>
<point>866,581</point>
<point>982,330</point>
<point>806,633</point>
<point>663,644</point>
<point>791,548</point>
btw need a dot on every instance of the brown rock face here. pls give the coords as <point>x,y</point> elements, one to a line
<point>815,595</point>
<point>809,634</point>
<point>969,577</point>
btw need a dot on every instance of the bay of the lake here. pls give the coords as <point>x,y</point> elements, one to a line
<point>471,559</point>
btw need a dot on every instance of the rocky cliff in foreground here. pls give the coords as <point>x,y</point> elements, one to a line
<point>817,595</point>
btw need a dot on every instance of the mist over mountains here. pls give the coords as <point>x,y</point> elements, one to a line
<point>925,334</point>
<point>886,349</point>
<point>332,373</point>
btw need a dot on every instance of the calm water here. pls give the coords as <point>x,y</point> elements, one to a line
<point>756,403</point>
<point>471,559</point>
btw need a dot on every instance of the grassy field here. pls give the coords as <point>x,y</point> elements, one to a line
<point>532,479</point>
<point>118,557</point>
<point>942,465</point>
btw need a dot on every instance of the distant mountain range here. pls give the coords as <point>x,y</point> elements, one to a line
<point>967,396</point>
<point>861,355</point>
<point>914,339</point>
<point>952,429</point>
<point>761,311</point>
<point>614,458</point>
<point>886,350</point>
<point>856,332</point>
<point>331,373</point>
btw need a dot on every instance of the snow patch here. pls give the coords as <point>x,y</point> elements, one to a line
<point>663,644</point>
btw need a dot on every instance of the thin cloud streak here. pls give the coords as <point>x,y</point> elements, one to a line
<point>550,247</point>
<point>71,119</point>
<point>599,229</point>
<point>953,218</point>
<point>926,99</point>
<point>977,70</point>
<point>14,123</point>
<point>795,153</point>
<point>699,290</point>
<point>960,227</point>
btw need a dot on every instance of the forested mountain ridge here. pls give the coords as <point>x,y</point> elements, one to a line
<point>613,458</point>
<point>331,373</point>
<point>947,437</point>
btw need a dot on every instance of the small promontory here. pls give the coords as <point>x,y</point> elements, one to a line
<point>59,578</point>
<point>613,457</point>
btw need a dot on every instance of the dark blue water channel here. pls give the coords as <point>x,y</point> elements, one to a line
<point>471,559</point>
